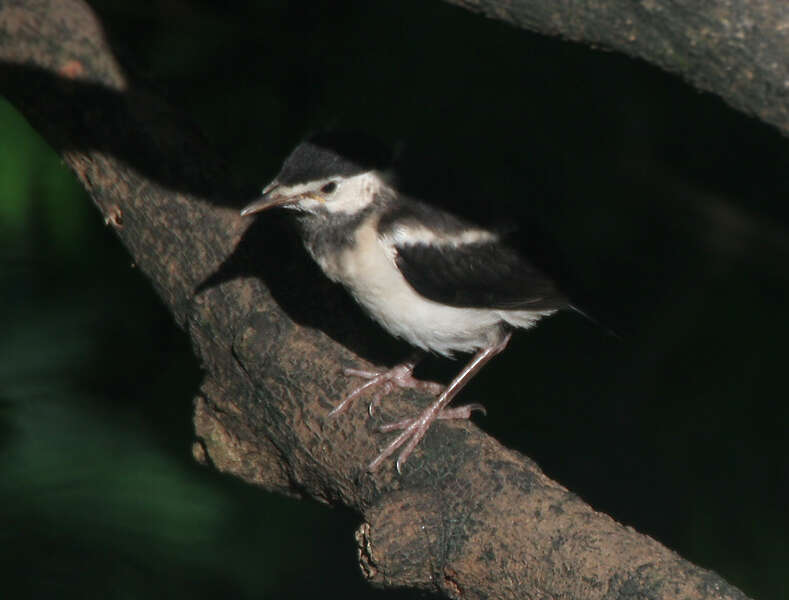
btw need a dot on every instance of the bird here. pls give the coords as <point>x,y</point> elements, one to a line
<point>439,282</point>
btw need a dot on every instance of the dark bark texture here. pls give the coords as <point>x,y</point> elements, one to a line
<point>737,49</point>
<point>468,518</point>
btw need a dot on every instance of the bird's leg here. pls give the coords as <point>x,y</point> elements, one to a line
<point>401,375</point>
<point>415,429</point>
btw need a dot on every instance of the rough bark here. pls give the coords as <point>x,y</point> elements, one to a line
<point>468,518</point>
<point>737,49</point>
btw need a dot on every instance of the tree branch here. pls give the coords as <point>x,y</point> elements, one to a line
<point>737,49</point>
<point>469,518</point>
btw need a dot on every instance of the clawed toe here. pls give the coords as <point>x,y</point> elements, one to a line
<point>343,406</point>
<point>400,376</point>
<point>459,412</point>
<point>414,429</point>
<point>362,373</point>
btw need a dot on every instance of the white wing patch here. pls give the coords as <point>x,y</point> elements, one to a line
<point>411,235</point>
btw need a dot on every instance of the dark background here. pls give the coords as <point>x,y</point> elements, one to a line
<point>661,212</point>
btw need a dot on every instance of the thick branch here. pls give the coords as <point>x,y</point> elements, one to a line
<point>737,49</point>
<point>469,518</point>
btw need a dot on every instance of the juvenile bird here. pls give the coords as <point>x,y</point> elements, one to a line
<point>440,283</point>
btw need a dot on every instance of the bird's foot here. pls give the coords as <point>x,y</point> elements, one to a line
<point>385,380</point>
<point>414,429</point>
<point>459,412</point>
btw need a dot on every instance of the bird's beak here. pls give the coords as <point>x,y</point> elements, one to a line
<point>269,198</point>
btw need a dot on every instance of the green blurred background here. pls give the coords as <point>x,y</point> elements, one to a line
<point>660,210</point>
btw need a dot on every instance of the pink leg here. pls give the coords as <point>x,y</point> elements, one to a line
<point>400,375</point>
<point>415,429</point>
<point>459,412</point>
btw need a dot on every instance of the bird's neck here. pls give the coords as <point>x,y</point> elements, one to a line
<point>322,237</point>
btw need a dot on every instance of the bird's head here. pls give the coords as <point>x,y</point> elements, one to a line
<point>329,174</point>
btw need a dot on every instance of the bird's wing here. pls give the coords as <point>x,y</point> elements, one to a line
<point>449,261</point>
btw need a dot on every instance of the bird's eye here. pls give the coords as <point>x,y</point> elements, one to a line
<point>328,188</point>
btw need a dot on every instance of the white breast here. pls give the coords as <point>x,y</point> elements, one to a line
<point>368,270</point>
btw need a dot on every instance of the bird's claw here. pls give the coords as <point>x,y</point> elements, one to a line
<point>459,412</point>
<point>414,429</point>
<point>400,376</point>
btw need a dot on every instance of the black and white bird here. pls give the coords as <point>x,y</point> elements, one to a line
<point>438,282</point>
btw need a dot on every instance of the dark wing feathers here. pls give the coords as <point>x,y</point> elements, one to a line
<point>476,275</point>
<point>486,274</point>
